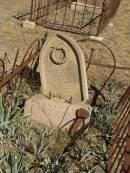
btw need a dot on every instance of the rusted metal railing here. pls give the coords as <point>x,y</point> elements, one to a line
<point>68,15</point>
<point>87,17</point>
<point>126,166</point>
<point>119,149</point>
<point>11,79</point>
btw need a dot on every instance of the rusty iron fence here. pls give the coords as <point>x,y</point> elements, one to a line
<point>82,17</point>
<point>12,79</point>
<point>88,17</point>
<point>119,149</point>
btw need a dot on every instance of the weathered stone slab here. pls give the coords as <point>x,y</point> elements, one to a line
<point>55,113</point>
<point>62,69</point>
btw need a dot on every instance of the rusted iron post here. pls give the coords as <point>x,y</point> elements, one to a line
<point>101,18</point>
<point>31,11</point>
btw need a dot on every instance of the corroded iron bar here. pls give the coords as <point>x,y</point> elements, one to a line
<point>107,65</point>
<point>126,166</point>
<point>118,156</point>
<point>83,14</point>
<point>118,153</point>
<point>125,96</point>
<point>18,69</point>
<point>120,132</point>
<point>121,116</point>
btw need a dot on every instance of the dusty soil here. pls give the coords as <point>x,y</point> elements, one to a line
<point>117,37</point>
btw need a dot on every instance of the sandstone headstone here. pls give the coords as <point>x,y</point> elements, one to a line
<point>62,69</point>
<point>64,85</point>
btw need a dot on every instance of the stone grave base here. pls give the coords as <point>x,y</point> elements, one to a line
<point>53,113</point>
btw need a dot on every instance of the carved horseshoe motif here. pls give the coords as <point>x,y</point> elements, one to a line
<point>56,58</point>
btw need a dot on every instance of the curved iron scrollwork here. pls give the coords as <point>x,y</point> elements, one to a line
<point>105,48</point>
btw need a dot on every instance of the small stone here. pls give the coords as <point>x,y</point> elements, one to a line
<point>28,24</point>
<point>111,24</point>
<point>99,38</point>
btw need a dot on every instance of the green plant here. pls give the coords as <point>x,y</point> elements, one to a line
<point>12,164</point>
<point>38,150</point>
<point>36,142</point>
<point>102,117</point>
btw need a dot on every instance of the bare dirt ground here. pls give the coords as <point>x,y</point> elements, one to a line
<point>13,35</point>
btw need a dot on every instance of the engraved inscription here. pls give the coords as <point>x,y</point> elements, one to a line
<point>64,82</point>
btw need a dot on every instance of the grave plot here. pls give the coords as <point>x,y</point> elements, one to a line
<point>64,84</point>
<point>50,99</point>
<point>62,77</point>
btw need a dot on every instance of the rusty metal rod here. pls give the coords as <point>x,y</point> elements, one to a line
<point>93,13</point>
<point>123,105</point>
<point>123,99</point>
<point>101,17</point>
<point>83,14</point>
<point>126,116</point>
<point>115,147</point>
<point>107,65</point>
<point>31,13</point>
<point>18,69</point>
<point>118,154</point>
<point>121,116</point>
<point>126,166</point>
<point>119,163</point>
